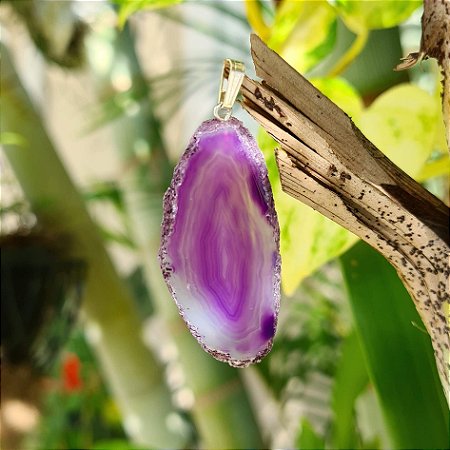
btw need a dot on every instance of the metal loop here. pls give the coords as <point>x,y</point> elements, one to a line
<point>222,113</point>
<point>233,73</point>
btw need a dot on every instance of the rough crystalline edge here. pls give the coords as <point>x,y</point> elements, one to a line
<point>169,217</point>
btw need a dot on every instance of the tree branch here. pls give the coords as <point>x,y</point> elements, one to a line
<point>435,43</point>
<point>327,163</point>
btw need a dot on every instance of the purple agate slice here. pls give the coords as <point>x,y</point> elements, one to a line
<point>220,244</point>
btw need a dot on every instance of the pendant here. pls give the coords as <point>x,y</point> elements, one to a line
<point>219,250</point>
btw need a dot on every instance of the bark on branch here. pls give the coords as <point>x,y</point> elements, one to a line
<point>327,163</point>
<point>435,43</point>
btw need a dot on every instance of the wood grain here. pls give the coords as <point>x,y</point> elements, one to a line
<point>327,163</point>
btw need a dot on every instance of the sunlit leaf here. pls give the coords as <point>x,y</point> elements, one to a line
<point>255,18</point>
<point>308,239</point>
<point>374,14</point>
<point>399,356</point>
<point>436,168</point>
<point>7,138</point>
<point>128,7</point>
<point>402,123</point>
<point>303,32</point>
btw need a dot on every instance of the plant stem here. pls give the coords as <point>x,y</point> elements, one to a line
<point>130,369</point>
<point>350,55</point>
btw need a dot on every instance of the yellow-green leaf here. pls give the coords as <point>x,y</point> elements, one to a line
<point>435,168</point>
<point>374,14</point>
<point>402,123</point>
<point>128,7</point>
<point>9,138</point>
<point>303,32</point>
<point>308,239</point>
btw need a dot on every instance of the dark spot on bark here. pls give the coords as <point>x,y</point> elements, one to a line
<point>279,110</point>
<point>332,170</point>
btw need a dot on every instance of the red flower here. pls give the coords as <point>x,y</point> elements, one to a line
<point>71,373</point>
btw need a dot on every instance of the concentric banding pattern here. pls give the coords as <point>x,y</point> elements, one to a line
<point>220,243</point>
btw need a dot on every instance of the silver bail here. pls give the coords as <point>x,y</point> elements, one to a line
<point>229,92</point>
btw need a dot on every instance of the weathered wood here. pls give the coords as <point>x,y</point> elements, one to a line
<point>327,163</point>
<point>435,43</point>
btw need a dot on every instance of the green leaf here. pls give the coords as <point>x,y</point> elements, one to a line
<point>105,191</point>
<point>303,32</point>
<point>8,138</point>
<point>129,7</point>
<point>116,237</point>
<point>399,355</point>
<point>402,123</point>
<point>374,14</point>
<point>117,444</point>
<point>308,438</point>
<point>308,239</point>
<point>350,380</point>
<point>435,168</point>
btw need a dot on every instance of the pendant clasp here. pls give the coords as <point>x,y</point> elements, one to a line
<point>233,74</point>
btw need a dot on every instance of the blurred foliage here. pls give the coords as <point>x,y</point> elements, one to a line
<point>309,333</point>
<point>384,390</point>
<point>55,29</point>
<point>41,293</point>
<point>303,32</point>
<point>128,7</point>
<point>374,14</point>
<point>402,123</point>
<point>78,410</point>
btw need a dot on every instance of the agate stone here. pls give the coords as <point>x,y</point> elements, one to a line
<point>220,243</point>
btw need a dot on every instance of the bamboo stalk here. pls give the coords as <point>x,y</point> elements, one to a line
<point>222,410</point>
<point>326,162</point>
<point>130,369</point>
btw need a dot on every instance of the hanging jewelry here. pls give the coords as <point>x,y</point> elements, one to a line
<point>219,249</point>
